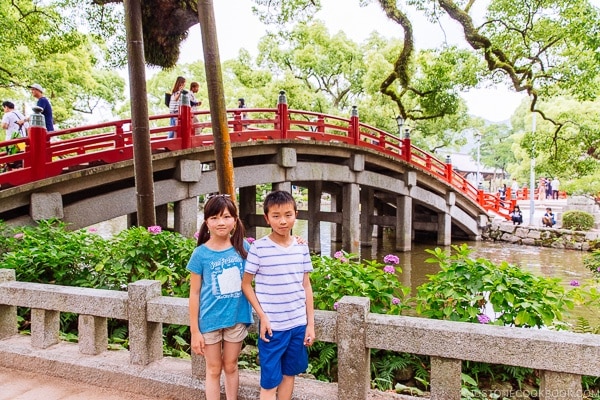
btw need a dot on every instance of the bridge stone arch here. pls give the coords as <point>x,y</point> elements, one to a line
<point>369,191</point>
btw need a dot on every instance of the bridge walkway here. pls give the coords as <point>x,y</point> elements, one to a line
<point>21,385</point>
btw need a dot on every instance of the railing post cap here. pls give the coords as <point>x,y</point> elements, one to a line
<point>354,111</point>
<point>185,98</point>
<point>282,99</point>
<point>448,159</point>
<point>38,119</point>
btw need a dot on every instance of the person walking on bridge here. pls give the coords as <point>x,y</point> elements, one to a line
<point>37,91</point>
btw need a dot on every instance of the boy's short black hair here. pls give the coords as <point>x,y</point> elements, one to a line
<point>8,104</point>
<point>278,197</point>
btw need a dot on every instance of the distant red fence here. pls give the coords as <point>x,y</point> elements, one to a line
<point>51,154</point>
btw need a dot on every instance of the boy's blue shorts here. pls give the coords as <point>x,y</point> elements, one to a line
<point>284,354</point>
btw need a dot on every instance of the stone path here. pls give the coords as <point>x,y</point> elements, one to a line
<point>19,385</point>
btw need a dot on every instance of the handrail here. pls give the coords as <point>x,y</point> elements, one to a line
<point>560,357</point>
<point>51,154</point>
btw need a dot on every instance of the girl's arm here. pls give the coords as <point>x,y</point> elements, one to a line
<point>309,337</point>
<point>197,340</point>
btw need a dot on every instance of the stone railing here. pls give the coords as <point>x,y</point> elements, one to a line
<point>560,357</point>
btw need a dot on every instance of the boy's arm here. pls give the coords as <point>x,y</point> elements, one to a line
<point>248,290</point>
<point>309,337</point>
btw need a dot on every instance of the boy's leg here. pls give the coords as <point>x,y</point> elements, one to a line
<point>268,394</point>
<point>231,353</point>
<point>286,388</point>
<point>212,355</point>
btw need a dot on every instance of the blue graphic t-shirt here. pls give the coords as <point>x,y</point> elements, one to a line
<point>222,303</point>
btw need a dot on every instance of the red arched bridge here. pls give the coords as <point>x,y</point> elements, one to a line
<point>391,181</point>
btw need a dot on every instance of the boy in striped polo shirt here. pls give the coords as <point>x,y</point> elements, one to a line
<point>282,298</point>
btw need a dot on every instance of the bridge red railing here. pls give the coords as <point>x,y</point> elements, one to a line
<point>49,154</point>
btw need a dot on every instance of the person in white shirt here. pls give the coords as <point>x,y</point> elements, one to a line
<point>13,122</point>
<point>555,184</point>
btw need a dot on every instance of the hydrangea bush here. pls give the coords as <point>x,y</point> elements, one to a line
<point>345,274</point>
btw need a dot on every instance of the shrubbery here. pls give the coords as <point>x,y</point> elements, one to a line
<point>577,220</point>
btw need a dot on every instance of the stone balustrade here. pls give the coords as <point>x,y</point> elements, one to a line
<point>560,357</point>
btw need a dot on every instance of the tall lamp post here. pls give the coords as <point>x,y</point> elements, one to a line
<point>532,176</point>
<point>400,122</point>
<point>478,135</point>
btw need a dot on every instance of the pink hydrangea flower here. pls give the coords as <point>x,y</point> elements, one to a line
<point>574,283</point>
<point>196,235</point>
<point>391,259</point>
<point>598,269</point>
<point>338,254</point>
<point>483,319</point>
<point>389,269</point>
<point>395,300</point>
<point>335,305</point>
<point>20,235</point>
<point>92,230</point>
<point>154,229</point>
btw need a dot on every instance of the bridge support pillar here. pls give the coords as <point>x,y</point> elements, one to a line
<point>351,218</point>
<point>8,314</point>
<point>367,208</point>
<point>46,206</point>
<point>336,206</point>
<point>404,218</point>
<point>284,186</point>
<point>247,207</point>
<point>444,237</point>
<point>314,222</point>
<point>186,217</point>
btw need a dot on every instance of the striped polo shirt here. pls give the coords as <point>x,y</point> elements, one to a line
<point>278,275</point>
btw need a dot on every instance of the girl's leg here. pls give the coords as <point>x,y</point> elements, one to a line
<point>231,354</point>
<point>212,355</point>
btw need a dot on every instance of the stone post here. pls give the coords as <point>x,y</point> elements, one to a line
<point>560,385</point>
<point>145,338</point>
<point>45,325</point>
<point>93,334</point>
<point>445,378</point>
<point>353,355</point>
<point>8,314</point>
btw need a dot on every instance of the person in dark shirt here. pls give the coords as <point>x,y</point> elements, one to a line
<point>37,91</point>
<point>516,215</point>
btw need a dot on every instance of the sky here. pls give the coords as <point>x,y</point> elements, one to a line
<point>238,28</point>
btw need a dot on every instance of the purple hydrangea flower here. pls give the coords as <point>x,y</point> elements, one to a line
<point>391,259</point>
<point>19,235</point>
<point>338,254</point>
<point>598,269</point>
<point>574,283</point>
<point>250,240</point>
<point>483,319</point>
<point>389,269</point>
<point>335,305</point>
<point>154,229</point>
<point>395,300</point>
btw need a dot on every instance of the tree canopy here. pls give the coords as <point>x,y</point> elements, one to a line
<point>40,45</point>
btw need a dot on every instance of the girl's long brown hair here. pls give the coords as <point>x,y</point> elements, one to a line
<point>216,205</point>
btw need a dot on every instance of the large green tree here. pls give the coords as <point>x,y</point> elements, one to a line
<point>39,44</point>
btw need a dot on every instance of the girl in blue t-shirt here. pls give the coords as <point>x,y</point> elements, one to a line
<point>219,311</point>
